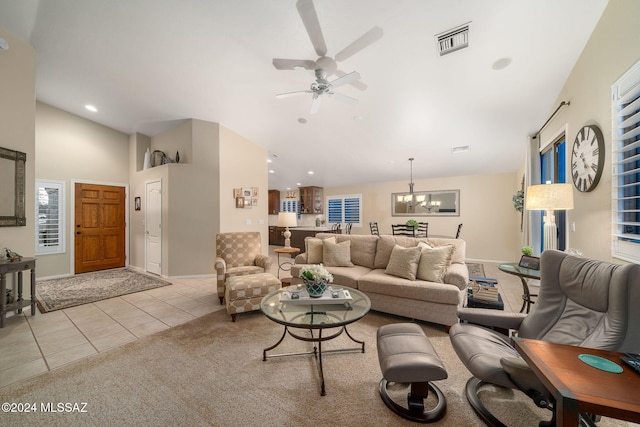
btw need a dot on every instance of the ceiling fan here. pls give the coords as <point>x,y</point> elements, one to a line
<point>322,87</point>
<point>325,65</point>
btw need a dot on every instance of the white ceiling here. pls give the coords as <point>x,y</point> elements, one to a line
<point>147,63</point>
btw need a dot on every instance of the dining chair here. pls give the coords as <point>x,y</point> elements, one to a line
<point>373,226</point>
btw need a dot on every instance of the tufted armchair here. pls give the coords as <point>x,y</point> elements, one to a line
<point>238,254</point>
<point>581,302</point>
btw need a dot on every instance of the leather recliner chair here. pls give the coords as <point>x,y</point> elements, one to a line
<point>581,302</point>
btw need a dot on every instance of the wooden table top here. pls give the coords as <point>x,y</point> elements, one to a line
<point>580,386</point>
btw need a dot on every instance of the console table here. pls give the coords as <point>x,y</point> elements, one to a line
<point>580,388</point>
<point>16,267</point>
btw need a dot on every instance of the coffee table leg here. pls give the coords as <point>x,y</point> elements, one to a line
<point>353,339</point>
<point>264,352</point>
<point>322,390</point>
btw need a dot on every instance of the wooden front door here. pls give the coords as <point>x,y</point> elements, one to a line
<point>99,227</point>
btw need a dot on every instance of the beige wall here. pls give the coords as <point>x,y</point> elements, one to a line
<point>491,226</point>
<point>612,49</point>
<point>17,132</point>
<point>73,149</point>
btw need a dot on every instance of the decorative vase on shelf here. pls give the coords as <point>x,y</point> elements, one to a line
<point>147,160</point>
<point>315,288</point>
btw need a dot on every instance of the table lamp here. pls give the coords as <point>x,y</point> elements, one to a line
<point>287,219</point>
<point>549,197</point>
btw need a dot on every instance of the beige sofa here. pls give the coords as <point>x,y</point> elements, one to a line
<point>376,269</point>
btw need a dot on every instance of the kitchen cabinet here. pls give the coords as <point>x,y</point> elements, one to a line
<point>274,202</point>
<point>311,200</point>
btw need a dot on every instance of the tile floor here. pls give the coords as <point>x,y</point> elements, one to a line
<point>30,345</point>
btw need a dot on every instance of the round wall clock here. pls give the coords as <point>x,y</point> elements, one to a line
<point>587,158</point>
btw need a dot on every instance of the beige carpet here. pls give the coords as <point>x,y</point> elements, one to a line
<point>85,288</point>
<point>210,372</point>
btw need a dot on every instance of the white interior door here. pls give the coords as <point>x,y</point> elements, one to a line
<point>153,225</point>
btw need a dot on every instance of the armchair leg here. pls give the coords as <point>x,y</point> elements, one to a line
<point>221,300</point>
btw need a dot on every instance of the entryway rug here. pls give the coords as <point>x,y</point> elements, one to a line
<point>85,288</point>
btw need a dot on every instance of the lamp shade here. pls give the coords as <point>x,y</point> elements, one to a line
<point>287,219</point>
<point>549,197</point>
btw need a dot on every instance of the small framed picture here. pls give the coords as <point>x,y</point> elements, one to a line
<point>240,202</point>
<point>247,202</point>
<point>237,192</point>
<point>137,203</point>
<point>529,262</point>
<point>246,192</point>
<point>254,192</point>
<point>254,201</point>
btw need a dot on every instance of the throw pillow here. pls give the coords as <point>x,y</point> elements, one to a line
<point>434,263</point>
<point>314,249</point>
<point>403,262</point>
<point>337,254</point>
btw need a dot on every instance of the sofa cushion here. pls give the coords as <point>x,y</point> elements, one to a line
<point>376,281</point>
<point>434,263</point>
<point>403,262</point>
<point>386,244</point>
<point>314,249</point>
<point>459,251</point>
<point>363,247</point>
<point>342,276</point>
<point>337,254</point>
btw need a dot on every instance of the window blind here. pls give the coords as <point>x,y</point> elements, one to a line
<point>625,155</point>
<point>345,209</point>
<point>49,217</point>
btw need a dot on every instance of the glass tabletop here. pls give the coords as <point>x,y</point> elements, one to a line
<point>514,268</point>
<point>315,315</point>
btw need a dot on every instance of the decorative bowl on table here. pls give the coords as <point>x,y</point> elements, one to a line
<point>315,278</point>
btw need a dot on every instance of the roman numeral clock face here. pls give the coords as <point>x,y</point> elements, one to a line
<point>587,158</point>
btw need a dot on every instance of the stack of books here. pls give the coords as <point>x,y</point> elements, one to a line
<point>484,289</point>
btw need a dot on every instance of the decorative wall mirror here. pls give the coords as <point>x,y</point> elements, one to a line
<point>12,179</point>
<point>426,203</point>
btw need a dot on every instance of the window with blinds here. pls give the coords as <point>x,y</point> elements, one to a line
<point>49,217</point>
<point>625,168</point>
<point>345,209</point>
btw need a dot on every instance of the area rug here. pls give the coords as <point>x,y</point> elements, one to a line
<point>85,288</point>
<point>209,372</point>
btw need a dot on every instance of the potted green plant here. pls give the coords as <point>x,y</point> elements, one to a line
<point>527,250</point>
<point>412,224</point>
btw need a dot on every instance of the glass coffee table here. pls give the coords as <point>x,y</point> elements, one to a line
<point>317,317</point>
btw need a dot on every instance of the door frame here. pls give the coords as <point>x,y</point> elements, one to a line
<point>72,218</point>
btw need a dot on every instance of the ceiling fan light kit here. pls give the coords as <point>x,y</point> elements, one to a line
<point>325,65</point>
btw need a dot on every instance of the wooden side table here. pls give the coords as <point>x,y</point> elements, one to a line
<point>286,264</point>
<point>16,267</point>
<point>580,388</point>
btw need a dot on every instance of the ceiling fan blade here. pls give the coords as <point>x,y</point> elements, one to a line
<point>310,20</point>
<point>315,104</point>
<point>343,98</point>
<point>290,94</point>
<point>292,64</point>
<point>365,40</point>
<point>357,84</point>
<point>347,78</point>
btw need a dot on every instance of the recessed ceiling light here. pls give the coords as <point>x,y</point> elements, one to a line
<point>269,160</point>
<point>460,149</point>
<point>501,63</point>
<point>357,118</point>
<point>272,171</point>
<point>91,108</point>
<point>310,172</point>
<point>298,184</point>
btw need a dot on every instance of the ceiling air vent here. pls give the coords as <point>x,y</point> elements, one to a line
<point>452,40</point>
